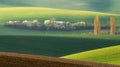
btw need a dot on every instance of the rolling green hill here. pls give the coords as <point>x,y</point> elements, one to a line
<point>89,5</point>
<point>42,42</point>
<point>31,13</point>
<point>55,44</point>
<point>109,55</point>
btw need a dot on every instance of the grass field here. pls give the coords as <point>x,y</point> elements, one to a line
<point>109,55</point>
<point>55,44</point>
<point>52,43</point>
<point>34,40</point>
<point>59,44</point>
<point>110,6</point>
<point>42,42</point>
<point>41,14</point>
<point>9,31</point>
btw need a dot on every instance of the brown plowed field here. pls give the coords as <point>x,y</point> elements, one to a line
<point>23,60</point>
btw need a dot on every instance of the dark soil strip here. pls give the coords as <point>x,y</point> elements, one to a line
<point>22,60</point>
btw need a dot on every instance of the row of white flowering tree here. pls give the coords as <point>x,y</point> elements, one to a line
<point>51,24</point>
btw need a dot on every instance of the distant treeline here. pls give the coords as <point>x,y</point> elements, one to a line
<point>52,25</point>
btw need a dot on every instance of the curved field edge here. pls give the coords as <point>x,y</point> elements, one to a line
<point>21,60</point>
<point>31,13</point>
<point>110,55</point>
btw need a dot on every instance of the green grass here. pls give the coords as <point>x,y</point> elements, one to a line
<point>31,13</point>
<point>18,32</point>
<point>9,31</point>
<point>109,55</point>
<point>52,43</point>
<point>55,44</point>
<point>94,5</point>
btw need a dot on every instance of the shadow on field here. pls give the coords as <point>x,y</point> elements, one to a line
<point>51,45</point>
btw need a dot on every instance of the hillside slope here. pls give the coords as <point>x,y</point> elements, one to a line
<point>89,5</point>
<point>41,14</point>
<point>105,55</point>
<point>43,44</point>
<point>21,60</point>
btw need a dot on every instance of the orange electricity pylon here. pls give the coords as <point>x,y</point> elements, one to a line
<point>97,26</point>
<point>112,25</point>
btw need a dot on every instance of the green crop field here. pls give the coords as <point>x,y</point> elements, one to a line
<point>59,43</point>
<point>109,55</point>
<point>55,44</point>
<point>9,31</point>
<point>41,14</point>
<point>43,42</point>
<point>52,43</point>
<point>110,6</point>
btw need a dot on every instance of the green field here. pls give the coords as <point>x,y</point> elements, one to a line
<point>41,14</point>
<point>110,6</point>
<point>50,43</point>
<point>43,42</point>
<point>55,44</point>
<point>109,55</point>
